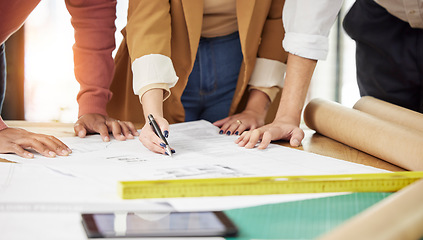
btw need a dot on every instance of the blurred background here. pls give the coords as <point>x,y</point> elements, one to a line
<point>43,59</point>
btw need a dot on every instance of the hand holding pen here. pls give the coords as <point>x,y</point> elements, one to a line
<point>153,135</point>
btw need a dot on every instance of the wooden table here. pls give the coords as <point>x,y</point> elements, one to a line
<point>313,142</point>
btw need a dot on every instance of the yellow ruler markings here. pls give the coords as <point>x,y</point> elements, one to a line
<point>371,182</point>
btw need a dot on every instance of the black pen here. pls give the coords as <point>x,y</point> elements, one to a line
<point>158,132</point>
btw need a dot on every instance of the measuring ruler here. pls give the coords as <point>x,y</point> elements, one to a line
<point>370,182</point>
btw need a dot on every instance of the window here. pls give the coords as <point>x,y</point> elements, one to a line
<point>50,84</point>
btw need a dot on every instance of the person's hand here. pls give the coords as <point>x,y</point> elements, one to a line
<point>18,141</point>
<point>277,130</point>
<point>97,123</point>
<point>149,138</point>
<point>238,123</point>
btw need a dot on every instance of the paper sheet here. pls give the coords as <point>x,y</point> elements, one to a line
<point>90,174</point>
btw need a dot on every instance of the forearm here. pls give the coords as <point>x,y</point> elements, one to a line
<point>152,103</point>
<point>2,124</point>
<point>94,26</point>
<point>298,77</point>
<point>258,102</point>
<point>13,15</point>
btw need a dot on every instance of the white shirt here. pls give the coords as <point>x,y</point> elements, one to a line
<point>307,23</point>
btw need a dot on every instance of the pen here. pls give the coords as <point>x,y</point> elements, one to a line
<point>158,132</point>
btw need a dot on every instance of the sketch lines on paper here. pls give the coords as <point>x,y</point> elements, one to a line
<point>199,171</point>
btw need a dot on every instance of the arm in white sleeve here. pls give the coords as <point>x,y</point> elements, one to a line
<point>153,69</point>
<point>268,73</point>
<point>307,24</point>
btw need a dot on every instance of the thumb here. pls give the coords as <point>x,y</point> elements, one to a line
<point>296,138</point>
<point>80,130</point>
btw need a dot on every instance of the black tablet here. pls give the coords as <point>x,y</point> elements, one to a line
<point>174,224</point>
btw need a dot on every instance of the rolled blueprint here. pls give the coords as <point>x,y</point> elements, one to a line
<point>391,142</point>
<point>390,112</point>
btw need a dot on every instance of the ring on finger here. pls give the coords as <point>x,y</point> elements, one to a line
<point>239,122</point>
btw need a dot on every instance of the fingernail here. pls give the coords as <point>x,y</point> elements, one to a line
<point>228,133</point>
<point>29,155</point>
<point>51,153</point>
<point>69,150</point>
<point>173,151</point>
<point>106,139</point>
<point>296,142</point>
<point>162,145</point>
<point>130,136</point>
<point>236,133</point>
<point>221,132</point>
<point>166,133</point>
<point>64,152</point>
<point>80,134</point>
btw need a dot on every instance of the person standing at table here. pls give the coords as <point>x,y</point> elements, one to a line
<point>389,54</point>
<point>94,26</point>
<point>306,39</point>
<point>389,50</point>
<point>196,60</point>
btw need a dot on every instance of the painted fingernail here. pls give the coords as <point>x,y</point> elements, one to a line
<point>228,133</point>
<point>167,153</point>
<point>162,145</point>
<point>221,132</point>
<point>173,151</point>
<point>166,133</point>
<point>236,133</point>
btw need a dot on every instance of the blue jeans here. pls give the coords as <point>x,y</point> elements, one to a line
<point>212,82</point>
<point>2,75</point>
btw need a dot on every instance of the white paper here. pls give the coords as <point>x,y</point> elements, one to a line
<point>91,173</point>
<point>46,195</point>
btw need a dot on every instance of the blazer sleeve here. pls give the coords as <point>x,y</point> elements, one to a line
<point>149,45</point>
<point>270,67</point>
<point>94,25</point>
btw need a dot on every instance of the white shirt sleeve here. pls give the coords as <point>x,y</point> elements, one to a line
<point>268,73</point>
<point>151,69</point>
<point>307,24</point>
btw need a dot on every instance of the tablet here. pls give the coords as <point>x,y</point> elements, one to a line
<point>174,224</point>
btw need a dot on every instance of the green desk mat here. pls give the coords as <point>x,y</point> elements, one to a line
<point>306,219</point>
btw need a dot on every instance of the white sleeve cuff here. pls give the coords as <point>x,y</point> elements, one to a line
<point>305,45</point>
<point>268,73</point>
<point>153,68</point>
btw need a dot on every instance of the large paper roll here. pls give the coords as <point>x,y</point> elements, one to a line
<point>391,142</point>
<point>399,216</point>
<point>390,112</point>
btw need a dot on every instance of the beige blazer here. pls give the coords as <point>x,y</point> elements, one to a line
<point>174,30</point>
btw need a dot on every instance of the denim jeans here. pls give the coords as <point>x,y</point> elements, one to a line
<point>2,75</point>
<point>212,82</point>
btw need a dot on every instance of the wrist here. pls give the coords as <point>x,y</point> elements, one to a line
<point>152,103</point>
<point>258,103</point>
